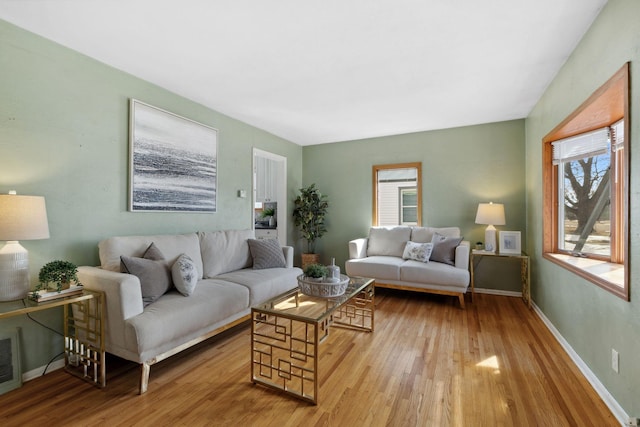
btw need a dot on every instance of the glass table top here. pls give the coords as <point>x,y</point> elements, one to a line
<point>296,305</point>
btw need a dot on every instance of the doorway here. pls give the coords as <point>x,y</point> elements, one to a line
<point>270,195</point>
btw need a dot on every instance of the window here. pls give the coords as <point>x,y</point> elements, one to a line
<point>396,194</point>
<point>585,188</point>
<point>408,205</point>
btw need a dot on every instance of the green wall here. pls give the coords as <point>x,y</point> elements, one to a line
<point>461,167</point>
<point>592,320</point>
<point>64,135</point>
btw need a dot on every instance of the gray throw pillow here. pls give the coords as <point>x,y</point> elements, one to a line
<point>266,253</point>
<point>417,251</point>
<point>444,248</point>
<point>185,275</point>
<point>151,270</point>
<point>153,253</point>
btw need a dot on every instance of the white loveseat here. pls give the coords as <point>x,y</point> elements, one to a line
<point>227,286</point>
<point>380,256</point>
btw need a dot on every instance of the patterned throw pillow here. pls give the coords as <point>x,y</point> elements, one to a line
<point>266,253</point>
<point>417,251</point>
<point>185,275</point>
<point>444,248</point>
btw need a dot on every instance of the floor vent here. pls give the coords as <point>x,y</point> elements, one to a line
<point>10,372</point>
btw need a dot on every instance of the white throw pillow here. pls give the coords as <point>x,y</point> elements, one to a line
<point>417,251</point>
<point>185,275</point>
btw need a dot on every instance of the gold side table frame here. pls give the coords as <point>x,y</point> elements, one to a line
<point>286,333</point>
<point>84,352</point>
<point>525,270</point>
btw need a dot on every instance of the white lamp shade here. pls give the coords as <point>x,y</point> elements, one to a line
<point>490,214</point>
<point>23,217</point>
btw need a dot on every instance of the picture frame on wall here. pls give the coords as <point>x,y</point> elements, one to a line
<point>173,163</point>
<point>510,243</point>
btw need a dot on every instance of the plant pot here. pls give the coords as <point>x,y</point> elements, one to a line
<point>54,287</point>
<point>310,259</point>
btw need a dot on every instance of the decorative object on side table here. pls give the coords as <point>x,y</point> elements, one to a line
<point>314,282</point>
<point>510,242</point>
<point>21,218</point>
<point>55,281</point>
<point>310,208</point>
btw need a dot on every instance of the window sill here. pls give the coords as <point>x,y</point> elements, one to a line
<point>605,274</point>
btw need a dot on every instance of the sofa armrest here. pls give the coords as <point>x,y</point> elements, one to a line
<point>288,255</point>
<point>462,255</point>
<point>358,248</point>
<point>123,298</point>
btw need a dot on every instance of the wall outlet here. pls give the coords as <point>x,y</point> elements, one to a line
<point>615,359</point>
<point>633,422</point>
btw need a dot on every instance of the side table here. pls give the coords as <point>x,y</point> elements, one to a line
<point>525,273</point>
<point>84,352</point>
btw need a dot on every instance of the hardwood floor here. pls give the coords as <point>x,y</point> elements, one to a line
<point>428,363</point>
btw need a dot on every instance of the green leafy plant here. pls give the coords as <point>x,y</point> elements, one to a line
<point>309,211</point>
<point>316,271</point>
<point>268,212</point>
<point>60,273</point>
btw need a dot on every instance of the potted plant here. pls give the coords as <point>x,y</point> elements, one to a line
<point>309,211</point>
<point>269,213</point>
<point>316,271</point>
<point>57,275</point>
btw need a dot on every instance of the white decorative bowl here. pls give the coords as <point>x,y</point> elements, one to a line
<point>315,288</point>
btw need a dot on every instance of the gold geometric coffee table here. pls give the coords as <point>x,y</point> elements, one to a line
<point>287,330</point>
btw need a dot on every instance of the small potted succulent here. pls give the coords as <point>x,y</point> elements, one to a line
<point>57,275</point>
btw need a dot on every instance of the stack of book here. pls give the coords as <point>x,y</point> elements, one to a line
<point>48,295</point>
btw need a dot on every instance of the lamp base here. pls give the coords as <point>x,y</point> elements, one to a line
<point>14,272</point>
<point>490,239</point>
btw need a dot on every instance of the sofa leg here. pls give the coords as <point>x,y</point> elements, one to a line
<point>461,298</point>
<point>144,377</point>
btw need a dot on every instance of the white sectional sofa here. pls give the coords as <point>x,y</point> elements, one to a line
<point>380,256</point>
<point>223,270</point>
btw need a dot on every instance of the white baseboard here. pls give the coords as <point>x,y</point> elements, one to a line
<point>498,292</point>
<point>608,399</point>
<point>35,373</point>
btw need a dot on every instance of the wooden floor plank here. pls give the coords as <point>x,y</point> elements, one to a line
<point>428,363</point>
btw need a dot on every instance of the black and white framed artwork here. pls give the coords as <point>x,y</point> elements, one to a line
<point>173,162</point>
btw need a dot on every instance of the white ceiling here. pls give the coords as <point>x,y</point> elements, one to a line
<point>318,71</point>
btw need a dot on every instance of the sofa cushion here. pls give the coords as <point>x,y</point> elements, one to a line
<point>184,274</point>
<point>224,251</point>
<point>266,253</point>
<point>434,273</point>
<point>173,319</point>
<point>154,276</point>
<point>171,246</point>
<point>444,248</point>
<point>417,251</point>
<point>425,234</point>
<point>388,241</point>
<point>380,267</point>
<point>264,284</point>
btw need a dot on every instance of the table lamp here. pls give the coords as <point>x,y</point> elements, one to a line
<point>490,214</point>
<point>21,218</point>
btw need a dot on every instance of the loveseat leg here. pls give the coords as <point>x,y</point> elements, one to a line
<point>144,377</point>
<point>461,298</point>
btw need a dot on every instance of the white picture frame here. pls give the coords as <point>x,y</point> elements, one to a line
<point>510,243</point>
<point>173,163</point>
